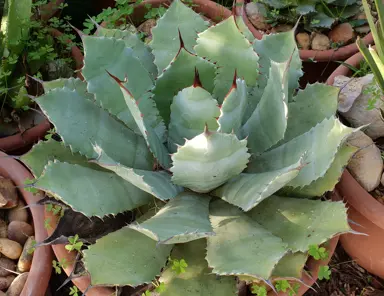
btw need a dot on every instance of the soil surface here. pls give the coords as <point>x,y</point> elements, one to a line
<point>347,279</point>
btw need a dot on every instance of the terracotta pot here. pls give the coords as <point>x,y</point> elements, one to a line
<point>21,142</point>
<point>367,215</point>
<point>312,266</point>
<point>363,209</point>
<point>40,272</point>
<point>325,59</point>
<point>209,9</point>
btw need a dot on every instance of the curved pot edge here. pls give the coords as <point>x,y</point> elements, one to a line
<point>357,197</point>
<point>39,275</point>
<point>318,55</point>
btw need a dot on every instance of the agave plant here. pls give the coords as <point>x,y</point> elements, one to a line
<point>225,155</point>
<point>316,14</point>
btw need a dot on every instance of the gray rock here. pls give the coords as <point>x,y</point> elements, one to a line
<point>320,41</point>
<point>350,90</point>
<point>366,166</point>
<point>256,13</point>
<point>358,115</point>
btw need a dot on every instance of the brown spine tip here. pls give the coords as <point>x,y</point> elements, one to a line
<point>114,77</point>
<point>234,85</point>
<point>197,82</point>
<point>206,131</point>
<point>120,83</point>
<point>79,32</point>
<point>181,39</point>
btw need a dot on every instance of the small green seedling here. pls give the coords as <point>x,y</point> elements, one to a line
<point>74,244</point>
<point>258,290</point>
<point>32,249</point>
<point>160,287</point>
<point>74,291</point>
<point>179,266</point>
<point>50,133</point>
<point>324,273</point>
<point>58,265</point>
<point>47,223</point>
<point>30,188</point>
<point>318,253</point>
<point>55,209</point>
<point>282,286</point>
<point>285,286</point>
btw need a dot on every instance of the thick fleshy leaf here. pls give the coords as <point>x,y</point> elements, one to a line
<point>132,40</point>
<point>71,83</point>
<point>17,13</point>
<point>301,222</point>
<point>306,6</point>
<point>112,55</point>
<point>309,108</point>
<point>225,45</point>
<point>45,151</point>
<point>323,20</point>
<point>243,28</point>
<point>268,122</point>
<point>248,190</point>
<point>330,179</point>
<point>209,160</point>
<point>183,219</point>
<point>178,75</point>
<point>192,109</point>
<point>238,234</point>
<point>233,108</point>
<point>157,183</point>
<point>82,124</point>
<point>142,112</point>
<point>290,266</point>
<point>198,278</point>
<point>177,19</point>
<point>130,257</point>
<point>320,145</point>
<point>279,48</point>
<point>91,192</point>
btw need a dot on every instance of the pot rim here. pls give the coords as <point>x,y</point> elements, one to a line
<point>328,55</point>
<point>40,273</point>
